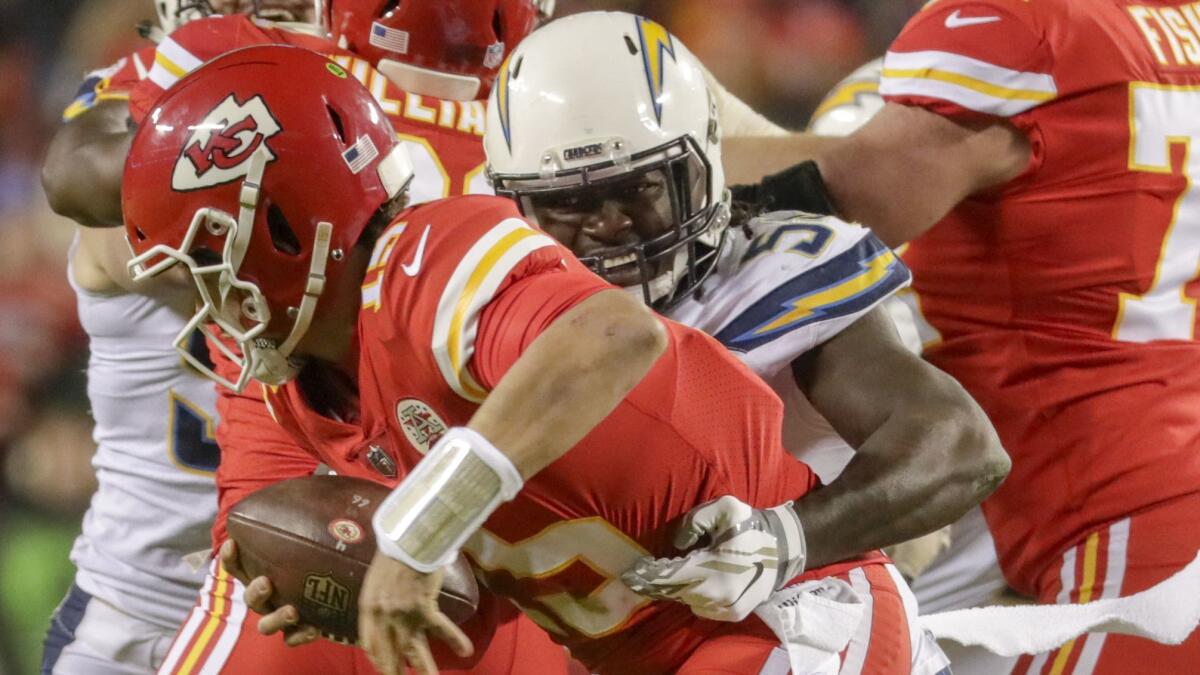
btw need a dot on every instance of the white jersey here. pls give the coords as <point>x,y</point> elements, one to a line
<point>155,458</point>
<point>786,283</point>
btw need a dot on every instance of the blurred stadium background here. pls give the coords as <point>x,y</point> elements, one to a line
<point>779,55</point>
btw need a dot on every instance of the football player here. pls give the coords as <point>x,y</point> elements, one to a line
<point>454,49</point>
<point>154,416</point>
<point>83,170</point>
<point>797,297</point>
<point>950,573</point>
<point>1036,157</point>
<point>460,311</point>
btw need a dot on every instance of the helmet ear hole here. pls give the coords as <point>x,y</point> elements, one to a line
<point>137,231</point>
<point>497,26</point>
<point>337,123</point>
<point>205,257</point>
<point>282,235</point>
<point>630,46</point>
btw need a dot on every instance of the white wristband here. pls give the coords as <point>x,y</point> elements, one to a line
<point>444,500</point>
<point>793,547</point>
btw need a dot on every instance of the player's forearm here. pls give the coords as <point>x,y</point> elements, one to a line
<point>749,159</point>
<point>83,167</point>
<point>569,379</point>
<point>929,463</point>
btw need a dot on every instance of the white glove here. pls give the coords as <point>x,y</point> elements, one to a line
<point>749,555</point>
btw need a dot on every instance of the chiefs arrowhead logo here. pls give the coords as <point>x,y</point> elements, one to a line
<point>221,145</point>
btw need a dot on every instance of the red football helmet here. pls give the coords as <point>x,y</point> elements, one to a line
<point>449,49</point>
<point>259,171</point>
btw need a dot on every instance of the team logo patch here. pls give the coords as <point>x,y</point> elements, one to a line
<point>346,531</point>
<point>221,145</point>
<point>422,426</point>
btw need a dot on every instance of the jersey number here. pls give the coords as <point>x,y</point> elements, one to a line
<point>427,164</point>
<point>1162,117</point>
<point>580,604</point>
<point>192,445</point>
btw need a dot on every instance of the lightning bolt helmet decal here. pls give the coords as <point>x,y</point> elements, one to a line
<point>656,45</point>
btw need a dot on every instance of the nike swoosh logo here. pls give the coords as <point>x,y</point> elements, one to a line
<point>956,21</point>
<point>414,267</point>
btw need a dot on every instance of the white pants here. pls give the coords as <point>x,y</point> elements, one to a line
<point>88,636</point>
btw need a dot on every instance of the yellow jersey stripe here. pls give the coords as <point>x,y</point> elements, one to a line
<point>169,65</point>
<point>211,625</point>
<point>461,310</point>
<point>967,82</point>
<point>873,272</point>
<point>1088,582</point>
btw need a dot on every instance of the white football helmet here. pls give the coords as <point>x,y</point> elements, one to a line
<point>600,97</point>
<point>850,103</point>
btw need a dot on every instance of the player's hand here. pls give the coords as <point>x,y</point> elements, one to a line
<point>257,597</point>
<point>747,555</point>
<point>396,608</point>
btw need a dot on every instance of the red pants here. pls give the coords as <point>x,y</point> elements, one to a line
<point>1124,558</point>
<point>221,636</point>
<point>883,644</point>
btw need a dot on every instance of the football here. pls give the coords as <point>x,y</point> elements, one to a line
<point>313,538</point>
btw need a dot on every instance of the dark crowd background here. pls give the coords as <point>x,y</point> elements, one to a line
<point>781,56</point>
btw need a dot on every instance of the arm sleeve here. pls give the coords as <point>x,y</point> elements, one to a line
<point>970,58</point>
<point>113,83</point>
<point>514,319</point>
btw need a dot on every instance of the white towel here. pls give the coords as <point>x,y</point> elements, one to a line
<point>814,621</point>
<point>1166,613</point>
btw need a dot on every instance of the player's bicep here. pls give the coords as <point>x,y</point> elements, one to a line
<point>524,310</point>
<point>857,378</point>
<point>84,163</point>
<point>906,168</point>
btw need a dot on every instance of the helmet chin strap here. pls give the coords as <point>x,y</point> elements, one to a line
<point>273,364</point>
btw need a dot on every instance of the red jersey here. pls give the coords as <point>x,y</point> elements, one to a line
<point>455,292</point>
<point>443,139</point>
<point>1064,300</point>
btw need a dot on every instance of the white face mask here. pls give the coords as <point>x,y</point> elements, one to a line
<point>664,284</point>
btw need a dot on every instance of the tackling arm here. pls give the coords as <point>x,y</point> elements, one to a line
<point>899,174</point>
<point>926,453</point>
<point>83,166</point>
